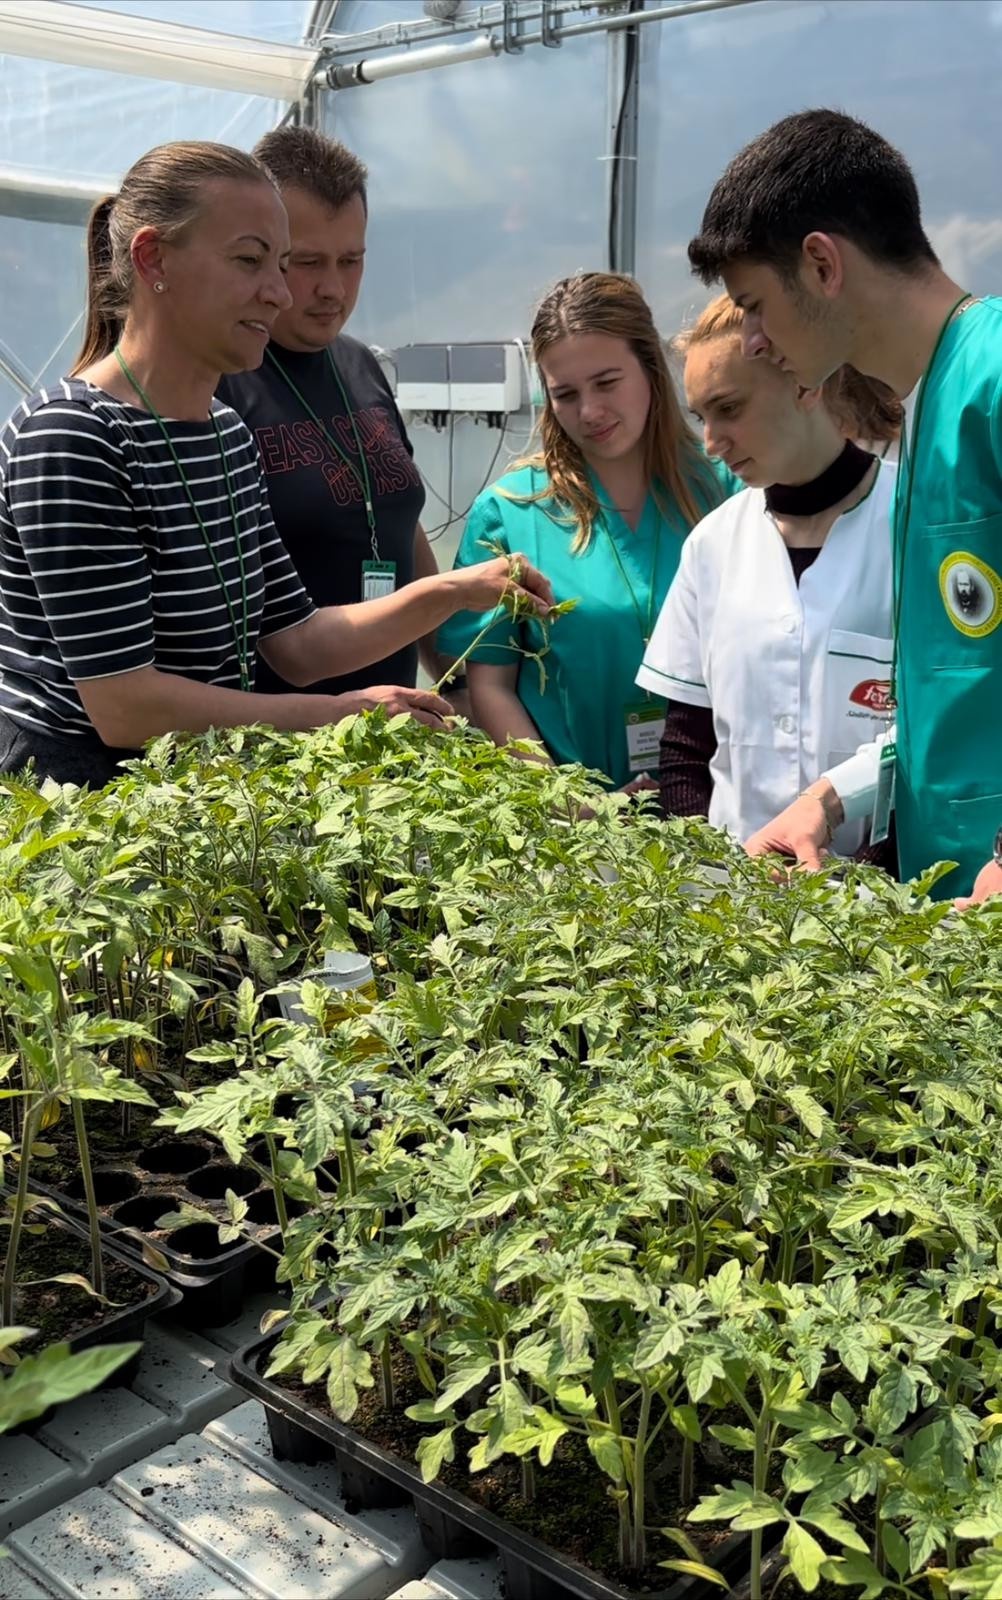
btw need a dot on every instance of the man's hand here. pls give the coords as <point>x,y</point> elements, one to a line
<point>987,883</point>
<point>483,586</point>
<point>803,830</point>
<point>421,704</point>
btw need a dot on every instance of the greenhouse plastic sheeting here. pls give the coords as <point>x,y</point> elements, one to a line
<point>922,72</point>
<point>69,123</point>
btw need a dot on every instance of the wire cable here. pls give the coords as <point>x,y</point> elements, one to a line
<point>520,346</point>
<point>460,516</point>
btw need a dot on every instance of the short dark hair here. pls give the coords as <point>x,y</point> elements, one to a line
<point>814,171</point>
<point>304,159</point>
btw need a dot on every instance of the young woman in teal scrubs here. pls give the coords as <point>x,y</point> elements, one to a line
<point>604,507</point>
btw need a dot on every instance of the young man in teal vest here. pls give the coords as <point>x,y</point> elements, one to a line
<point>815,229</point>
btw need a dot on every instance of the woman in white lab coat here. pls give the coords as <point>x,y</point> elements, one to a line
<point>773,648</point>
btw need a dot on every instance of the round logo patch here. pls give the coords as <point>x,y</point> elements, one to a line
<point>972,594</point>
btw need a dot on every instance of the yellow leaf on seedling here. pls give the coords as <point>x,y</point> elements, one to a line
<point>51,1115</point>
<point>141,1057</point>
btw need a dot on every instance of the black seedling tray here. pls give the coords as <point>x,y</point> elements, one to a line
<point>452,1526</point>
<point>165,1174</point>
<point>120,1325</point>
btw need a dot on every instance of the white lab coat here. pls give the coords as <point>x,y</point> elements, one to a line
<point>797,679</point>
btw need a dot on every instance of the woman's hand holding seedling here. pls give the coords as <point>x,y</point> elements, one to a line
<point>505,580</point>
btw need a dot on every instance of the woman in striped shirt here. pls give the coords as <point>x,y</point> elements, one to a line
<point>140,571</point>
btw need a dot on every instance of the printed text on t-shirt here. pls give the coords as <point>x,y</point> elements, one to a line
<point>288,447</point>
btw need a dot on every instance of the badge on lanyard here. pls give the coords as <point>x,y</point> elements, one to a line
<point>883,805</point>
<point>645,723</point>
<point>379,578</point>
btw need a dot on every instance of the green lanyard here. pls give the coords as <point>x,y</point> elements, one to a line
<point>906,469</point>
<point>361,478</point>
<point>645,633</point>
<point>240,640</point>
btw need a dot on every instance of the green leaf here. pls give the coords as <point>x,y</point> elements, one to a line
<point>725,1286</point>
<point>761,1513</point>
<point>686,1420</point>
<point>424,1411</point>
<point>658,1340</point>
<point>821,1514</point>
<point>350,1369</point>
<point>76,1280</point>
<point>895,1548</point>
<point>891,1400</point>
<point>854,1569</point>
<point>842,1412</point>
<point>574,1326</point>
<point>155,1258</point>
<point>700,1373</point>
<point>542,1434</point>
<point>739,1499</point>
<point>316,1131</point>
<point>575,1400</point>
<point>983,1525</point>
<point>810,1113</point>
<point>461,1380</point>
<point>606,1449</point>
<point>737,1438</point>
<point>172,1220</point>
<point>983,1578</point>
<point>697,1569</point>
<point>805,1555</point>
<point>56,1375</point>
<point>434,1450</point>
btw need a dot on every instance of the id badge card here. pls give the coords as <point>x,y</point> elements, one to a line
<point>883,805</point>
<point>645,723</point>
<point>379,578</point>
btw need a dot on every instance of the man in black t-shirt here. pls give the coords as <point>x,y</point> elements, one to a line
<point>332,442</point>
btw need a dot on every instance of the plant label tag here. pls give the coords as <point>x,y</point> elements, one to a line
<point>379,578</point>
<point>645,723</point>
<point>883,805</point>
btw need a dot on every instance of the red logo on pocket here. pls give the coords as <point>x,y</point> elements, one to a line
<point>874,694</point>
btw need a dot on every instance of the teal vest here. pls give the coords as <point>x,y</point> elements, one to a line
<point>948,561</point>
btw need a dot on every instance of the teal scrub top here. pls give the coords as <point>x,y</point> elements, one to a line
<point>948,564</point>
<point>596,650</point>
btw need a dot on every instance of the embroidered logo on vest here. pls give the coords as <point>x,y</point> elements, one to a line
<point>874,694</point>
<point>972,594</point>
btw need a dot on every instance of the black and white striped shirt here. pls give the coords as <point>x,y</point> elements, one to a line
<point>103,567</point>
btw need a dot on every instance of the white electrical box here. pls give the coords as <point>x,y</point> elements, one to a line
<point>459,377</point>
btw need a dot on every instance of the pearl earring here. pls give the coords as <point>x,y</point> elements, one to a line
<point>158,288</point>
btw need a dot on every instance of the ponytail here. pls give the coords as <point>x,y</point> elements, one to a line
<point>103,319</point>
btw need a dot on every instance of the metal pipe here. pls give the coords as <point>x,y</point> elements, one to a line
<point>320,20</point>
<point>633,19</point>
<point>340,76</point>
<point>45,199</point>
<point>422,31</point>
<point>371,68</point>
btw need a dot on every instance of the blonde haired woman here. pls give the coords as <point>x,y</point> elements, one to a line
<point>773,649</point>
<point>605,506</point>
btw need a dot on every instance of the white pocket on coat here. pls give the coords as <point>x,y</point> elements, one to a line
<point>857,692</point>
